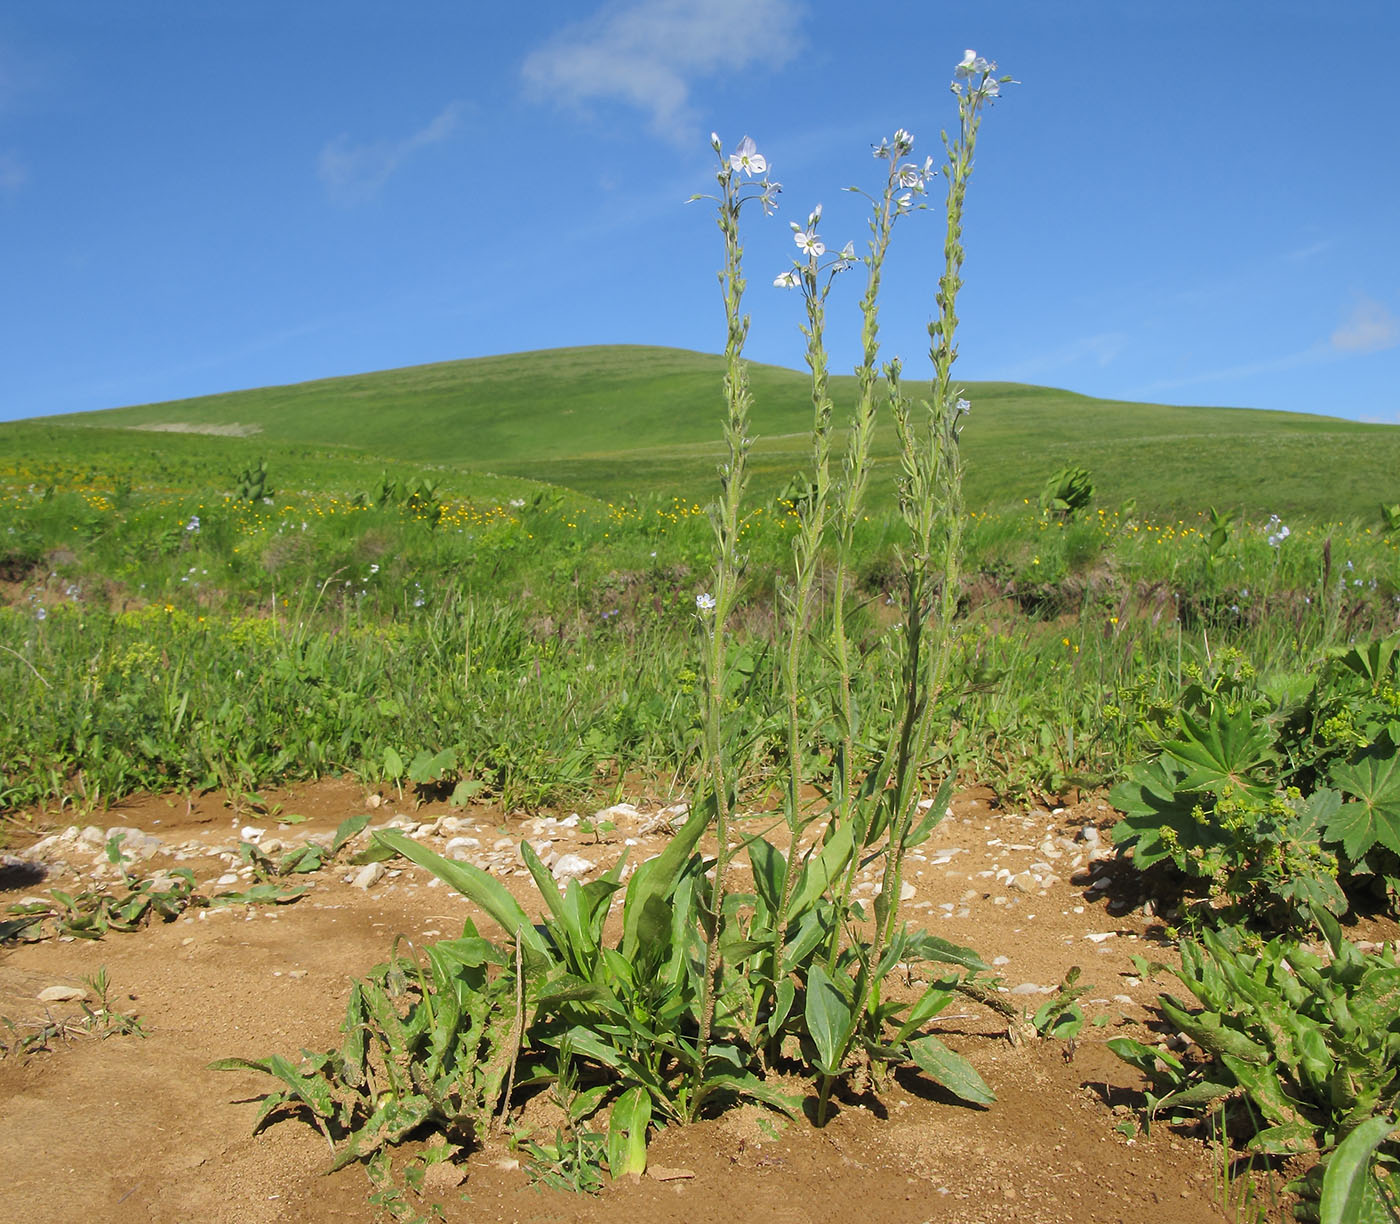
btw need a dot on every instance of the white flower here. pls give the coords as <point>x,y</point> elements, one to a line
<point>193,524</point>
<point>910,176</point>
<point>963,407</point>
<point>747,159</point>
<point>814,216</point>
<point>902,141</point>
<point>973,65</point>
<point>809,244</point>
<point>715,143</point>
<point>705,602</point>
<point>786,280</point>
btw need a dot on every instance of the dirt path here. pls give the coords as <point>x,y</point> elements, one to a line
<point>130,1128</point>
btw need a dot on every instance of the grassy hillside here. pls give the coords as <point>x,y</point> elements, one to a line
<point>619,420</point>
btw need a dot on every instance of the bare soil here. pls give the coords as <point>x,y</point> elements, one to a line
<point>139,1129</point>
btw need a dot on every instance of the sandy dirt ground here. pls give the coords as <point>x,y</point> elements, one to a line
<point>135,1128</point>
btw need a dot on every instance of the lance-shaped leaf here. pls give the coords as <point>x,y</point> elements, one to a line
<point>473,883</point>
<point>951,1070</point>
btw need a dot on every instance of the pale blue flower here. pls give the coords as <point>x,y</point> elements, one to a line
<point>705,602</point>
<point>747,159</point>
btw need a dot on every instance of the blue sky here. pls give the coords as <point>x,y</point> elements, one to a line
<point>1192,202</point>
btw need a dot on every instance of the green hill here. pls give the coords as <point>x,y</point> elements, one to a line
<point>619,420</point>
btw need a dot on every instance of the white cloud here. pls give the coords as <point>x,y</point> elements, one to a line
<point>14,174</point>
<point>1370,328</point>
<point>354,172</point>
<point>649,54</point>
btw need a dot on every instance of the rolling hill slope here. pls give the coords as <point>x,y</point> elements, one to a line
<point>614,420</point>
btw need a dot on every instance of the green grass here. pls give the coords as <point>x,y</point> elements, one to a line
<point>543,637</point>
<point>621,421</point>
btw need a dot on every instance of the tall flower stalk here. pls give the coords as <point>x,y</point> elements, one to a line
<point>813,275</point>
<point>903,182</point>
<point>737,188</point>
<point>931,504</point>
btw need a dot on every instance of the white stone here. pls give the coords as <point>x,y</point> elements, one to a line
<point>368,876</point>
<point>62,994</point>
<point>571,866</point>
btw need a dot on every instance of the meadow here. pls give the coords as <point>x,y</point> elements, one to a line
<point>555,629</point>
<point>818,632</point>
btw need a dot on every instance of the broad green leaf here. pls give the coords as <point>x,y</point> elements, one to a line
<point>475,884</point>
<point>1144,1057</point>
<point>818,871</point>
<point>347,829</point>
<point>1286,1139</point>
<point>1224,750</point>
<point>830,1019</point>
<point>1374,816</point>
<point>768,865</point>
<point>951,1070</point>
<point>544,881</point>
<point>393,764</point>
<point>1345,1182</point>
<point>627,1133</point>
<point>923,946</point>
<point>645,911</point>
<point>429,767</point>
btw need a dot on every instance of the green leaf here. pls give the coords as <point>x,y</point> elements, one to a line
<point>347,829</point>
<point>818,872</point>
<point>465,791</point>
<point>645,914</point>
<point>830,1019</point>
<point>393,764</point>
<point>1286,1139</point>
<point>923,946</point>
<point>951,1070</point>
<point>627,1133</point>
<point>427,767</point>
<point>475,884</point>
<point>1223,751</point>
<point>1374,782</point>
<point>1345,1183</point>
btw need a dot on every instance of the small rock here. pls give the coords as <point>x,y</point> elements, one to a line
<point>663,1174</point>
<point>618,811</point>
<point>571,866</point>
<point>62,994</point>
<point>368,876</point>
<point>1099,936</point>
<point>460,844</point>
<point>1089,835</point>
<point>1030,988</point>
<point>272,845</point>
<point>134,843</point>
<point>906,892</point>
<point>373,801</point>
<point>298,973</point>
<point>251,833</point>
<point>229,877</point>
<point>92,837</point>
